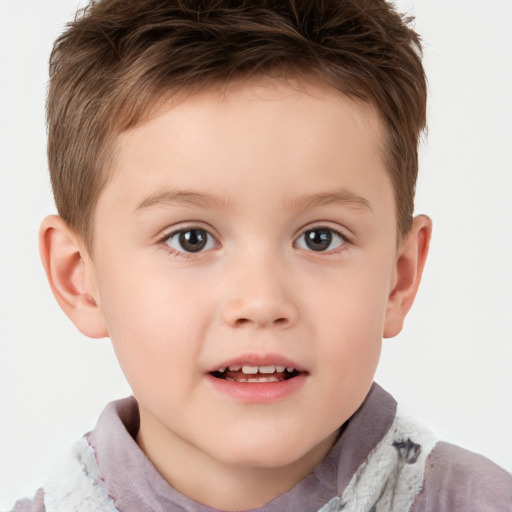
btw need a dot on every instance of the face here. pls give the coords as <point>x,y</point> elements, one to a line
<point>244,255</point>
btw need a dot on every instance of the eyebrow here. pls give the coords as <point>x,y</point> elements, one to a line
<point>184,197</point>
<point>189,198</point>
<point>341,197</point>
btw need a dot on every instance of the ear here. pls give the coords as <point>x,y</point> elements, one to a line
<point>70,272</point>
<point>409,265</point>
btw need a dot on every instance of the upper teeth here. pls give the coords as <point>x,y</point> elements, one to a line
<point>252,370</point>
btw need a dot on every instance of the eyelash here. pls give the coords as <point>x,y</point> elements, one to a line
<point>209,239</point>
<point>343,240</point>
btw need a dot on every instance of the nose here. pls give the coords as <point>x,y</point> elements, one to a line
<point>260,296</point>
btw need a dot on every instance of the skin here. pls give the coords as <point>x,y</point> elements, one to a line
<point>256,166</point>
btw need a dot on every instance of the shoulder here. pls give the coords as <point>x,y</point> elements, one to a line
<point>34,505</point>
<point>459,480</point>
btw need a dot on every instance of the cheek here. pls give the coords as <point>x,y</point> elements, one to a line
<point>153,326</point>
<point>349,320</point>
<point>352,342</point>
<point>353,302</point>
<point>348,357</point>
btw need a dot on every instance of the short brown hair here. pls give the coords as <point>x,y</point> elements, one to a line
<point>119,57</point>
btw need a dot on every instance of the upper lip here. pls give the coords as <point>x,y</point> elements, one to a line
<point>254,359</point>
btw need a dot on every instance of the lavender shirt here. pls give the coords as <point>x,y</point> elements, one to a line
<point>455,480</point>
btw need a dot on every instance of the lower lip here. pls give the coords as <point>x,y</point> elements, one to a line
<point>258,392</point>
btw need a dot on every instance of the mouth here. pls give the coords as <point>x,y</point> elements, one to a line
<point>257,378</point>
<point>256,374</point>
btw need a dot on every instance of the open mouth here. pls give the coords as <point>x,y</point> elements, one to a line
<point>255,374</point>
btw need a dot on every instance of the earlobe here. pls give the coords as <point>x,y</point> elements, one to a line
<point>68,269</point>
<point>410,262</point>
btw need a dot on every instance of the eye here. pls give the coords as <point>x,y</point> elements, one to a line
<point>320,240</point>
<point>191,240</point>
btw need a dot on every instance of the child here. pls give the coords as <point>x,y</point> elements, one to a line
<point>235,185</point>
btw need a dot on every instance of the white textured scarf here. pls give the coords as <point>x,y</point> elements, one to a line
<point>388,481</point>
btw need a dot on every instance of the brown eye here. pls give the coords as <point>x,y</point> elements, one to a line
<point>191,240</point>
<point>320,240</point>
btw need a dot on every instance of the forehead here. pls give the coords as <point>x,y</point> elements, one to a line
<point>250,134</point>
<point>249,104</point>
<point>257,96</point>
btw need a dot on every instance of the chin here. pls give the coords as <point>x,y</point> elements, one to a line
<point>276,451</point>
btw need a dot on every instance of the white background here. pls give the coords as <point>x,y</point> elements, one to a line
<point>452,365</point>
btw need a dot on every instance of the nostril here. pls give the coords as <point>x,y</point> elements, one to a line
<point>239,322</point>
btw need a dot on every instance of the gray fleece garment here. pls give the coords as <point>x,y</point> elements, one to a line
<point>450,479</point>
